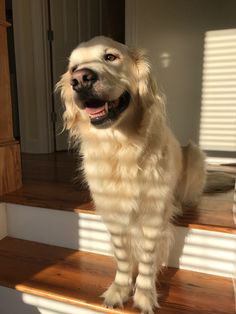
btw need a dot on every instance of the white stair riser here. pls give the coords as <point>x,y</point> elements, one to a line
<point>194,249</point>
<point>13,302</point>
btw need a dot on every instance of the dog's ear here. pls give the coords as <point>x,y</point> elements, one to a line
<point>146,83</point>
<point>71,114</point>
<point>149,94</point>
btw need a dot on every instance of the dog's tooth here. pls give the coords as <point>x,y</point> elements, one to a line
<point>106,107</point>
<point>110,104</point>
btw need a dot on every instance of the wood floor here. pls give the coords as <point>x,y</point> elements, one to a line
<point>52,181</point>
<point>79,278</point>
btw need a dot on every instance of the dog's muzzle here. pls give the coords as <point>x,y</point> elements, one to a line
<point>102,113</point>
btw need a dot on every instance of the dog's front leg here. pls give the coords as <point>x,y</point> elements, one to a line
<point>153,251</point>
<point>119,291</point>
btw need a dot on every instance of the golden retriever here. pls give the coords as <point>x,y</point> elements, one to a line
<point>138,174</point>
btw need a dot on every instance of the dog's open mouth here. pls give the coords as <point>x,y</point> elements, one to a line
<point>102,113</point>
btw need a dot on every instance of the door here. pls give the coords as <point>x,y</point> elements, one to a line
<point>73,21</point>
<point>64,38</point>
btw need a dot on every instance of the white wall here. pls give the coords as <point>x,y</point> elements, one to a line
<point>176,29</point>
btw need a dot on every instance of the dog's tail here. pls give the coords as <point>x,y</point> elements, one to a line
<point>196,180</point>
<point>217,182</point>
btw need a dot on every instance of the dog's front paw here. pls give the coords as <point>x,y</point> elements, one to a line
<point>116,295</point>
<point>145,300</point>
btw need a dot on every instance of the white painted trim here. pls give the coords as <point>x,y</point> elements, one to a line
<point>48,306</point>
<point>13,302</point>
<point>194,249</point>
<point>234,207</point>
<point>33,76</point>
<point>234,285</point>
<point>130,23</point>
<point>220,160</point>
<point>3,221</point>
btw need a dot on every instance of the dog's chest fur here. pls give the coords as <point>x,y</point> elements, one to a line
<point>116,170</point>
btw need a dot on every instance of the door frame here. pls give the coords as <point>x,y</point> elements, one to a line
<point>10,164</point>
<point>33,65</point>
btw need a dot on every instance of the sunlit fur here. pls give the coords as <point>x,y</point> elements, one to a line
<point>138,174</point>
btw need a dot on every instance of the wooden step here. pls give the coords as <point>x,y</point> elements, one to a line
<point>54,195</point>
<point>215,212</point>
<point>48,182</point>
<point>79,279</point>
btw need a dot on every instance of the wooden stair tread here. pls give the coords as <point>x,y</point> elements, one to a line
<point>79,278</point>
<point>56,195</point>
<point>215,211</point>
<point>48,183</point>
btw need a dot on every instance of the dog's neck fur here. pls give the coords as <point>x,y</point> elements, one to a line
<point>131,135</point>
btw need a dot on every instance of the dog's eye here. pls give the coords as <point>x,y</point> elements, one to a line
<point>73,68</point>
<point>110,57</point>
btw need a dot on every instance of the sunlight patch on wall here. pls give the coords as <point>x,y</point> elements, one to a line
<point>218,108</point>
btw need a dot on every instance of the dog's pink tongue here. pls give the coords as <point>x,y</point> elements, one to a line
<point>94,110</point>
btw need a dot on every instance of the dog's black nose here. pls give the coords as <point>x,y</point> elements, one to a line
<point>84,78</point>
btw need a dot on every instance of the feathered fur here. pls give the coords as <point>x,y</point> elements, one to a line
<point>136,170</point>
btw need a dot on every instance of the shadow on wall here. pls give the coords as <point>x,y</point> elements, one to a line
<point>204,251</point>
<point>12,303</point>
<point>218,105</point>
<point>174,33</point>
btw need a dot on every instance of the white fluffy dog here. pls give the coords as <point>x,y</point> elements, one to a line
<point>138,174</point>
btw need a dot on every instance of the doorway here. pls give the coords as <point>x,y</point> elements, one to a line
<point>71,22</point>
<point>45,32</point>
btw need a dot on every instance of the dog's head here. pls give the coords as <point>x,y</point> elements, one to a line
<point>104,82</point>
